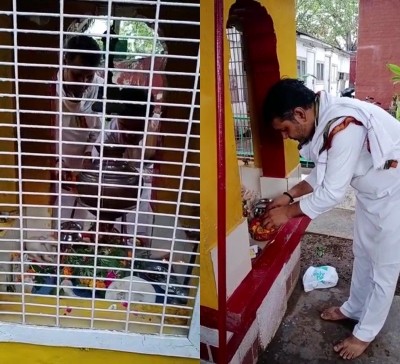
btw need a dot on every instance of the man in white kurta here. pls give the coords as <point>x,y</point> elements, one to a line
<point>351,143</point>
<point>76,132</point>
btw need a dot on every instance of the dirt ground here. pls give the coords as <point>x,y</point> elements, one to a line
<point>303,338</point>
<point>319,250</point>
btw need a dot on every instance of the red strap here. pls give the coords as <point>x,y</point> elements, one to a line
<point>343,125</point>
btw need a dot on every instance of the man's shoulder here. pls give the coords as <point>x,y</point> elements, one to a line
<point>98,79</point>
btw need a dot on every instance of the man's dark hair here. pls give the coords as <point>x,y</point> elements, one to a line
<point>85,43</point>
<point>284,96</point>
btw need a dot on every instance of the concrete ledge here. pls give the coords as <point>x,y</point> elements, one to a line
<point>337,222</point>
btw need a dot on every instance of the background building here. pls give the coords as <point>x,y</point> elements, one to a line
<point>322,66</point>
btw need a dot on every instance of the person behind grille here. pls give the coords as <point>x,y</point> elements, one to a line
<point>129,132</point>
<point>76,133</point>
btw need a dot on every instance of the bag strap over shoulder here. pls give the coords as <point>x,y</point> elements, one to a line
<point>328,136</point>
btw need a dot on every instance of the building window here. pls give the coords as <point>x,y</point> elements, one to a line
<point>334,73</point>
<point>320,71</point>
<point>301,68</point>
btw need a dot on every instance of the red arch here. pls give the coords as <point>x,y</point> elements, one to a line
<point>262,66</point>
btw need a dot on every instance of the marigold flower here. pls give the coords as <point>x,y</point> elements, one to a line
<point>67,271</point>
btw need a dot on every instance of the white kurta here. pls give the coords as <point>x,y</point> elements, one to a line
<point>71,151</point>
<point>376,243</point>
<point>71,154</point>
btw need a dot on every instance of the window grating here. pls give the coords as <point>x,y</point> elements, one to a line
<point>239,95</point>
<point>99,178</point>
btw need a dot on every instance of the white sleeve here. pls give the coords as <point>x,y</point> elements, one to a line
<point>95,120</point>
<point>311,178</point>
<point>94,134</point>
<point>341,163</point>
<point>59,123</point>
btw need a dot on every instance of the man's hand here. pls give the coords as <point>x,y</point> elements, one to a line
<point>280,201</point>
<point>276,217</point>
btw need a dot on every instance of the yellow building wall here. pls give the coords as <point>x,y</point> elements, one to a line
<point>208,155</point>
<point>283,15</point>
<point>32,354</point>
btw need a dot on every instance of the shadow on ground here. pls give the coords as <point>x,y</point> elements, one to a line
<point>304,338</point>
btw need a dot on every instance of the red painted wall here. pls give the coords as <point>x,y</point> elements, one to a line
<point>378,36</point>
<point>353,69</point>
<point>263,71</point>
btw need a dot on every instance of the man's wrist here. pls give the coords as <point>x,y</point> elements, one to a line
<point>290,196</point>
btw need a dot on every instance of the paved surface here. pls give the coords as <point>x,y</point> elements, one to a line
<point>304,338</point>
<point>337,222</point>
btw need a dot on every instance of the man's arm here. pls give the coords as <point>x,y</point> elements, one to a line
<point>341,163</point>
<point>150,141</point>
<point>301,189</point>
<point>93,135</point>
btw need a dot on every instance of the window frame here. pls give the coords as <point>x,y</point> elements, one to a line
<point>320,72</point>
<point>303,61</point>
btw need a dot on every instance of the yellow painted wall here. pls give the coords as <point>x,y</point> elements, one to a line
<point>208,155</point>
<point>283,14</point>
<point>32,354</point>
<point>40,315</point>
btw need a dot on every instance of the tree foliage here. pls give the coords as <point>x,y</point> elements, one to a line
<point>333,21</point>
<point>138,35</point>
<point>142,40</point>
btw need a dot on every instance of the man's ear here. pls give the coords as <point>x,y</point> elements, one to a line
<point>300,114</point>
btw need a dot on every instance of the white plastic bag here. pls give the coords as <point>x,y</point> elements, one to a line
<point>320,277</point>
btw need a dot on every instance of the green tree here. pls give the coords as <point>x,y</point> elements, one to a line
<point>395,106</point>
<point>333,21</point>
<point>142,37</point>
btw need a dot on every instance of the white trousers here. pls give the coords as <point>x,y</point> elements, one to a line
<point>376,249</point>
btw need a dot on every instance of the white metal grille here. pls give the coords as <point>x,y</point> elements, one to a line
<point>99,189</point>
<point>239,95</point>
